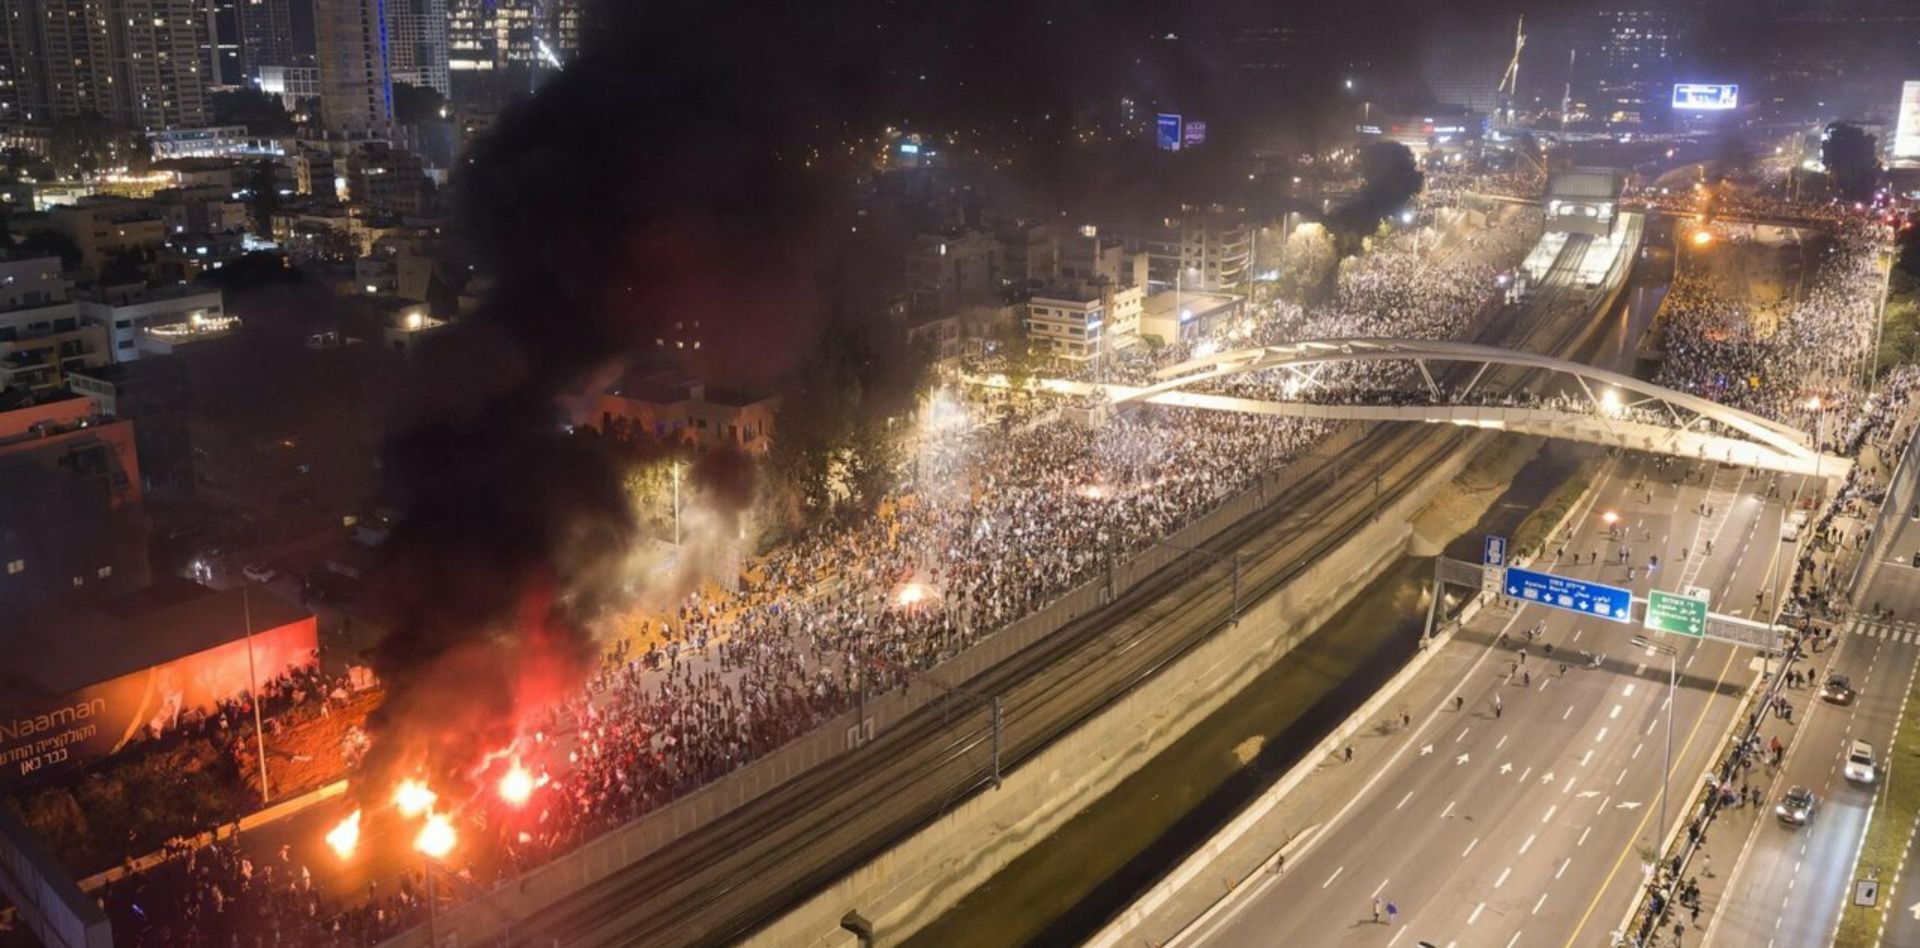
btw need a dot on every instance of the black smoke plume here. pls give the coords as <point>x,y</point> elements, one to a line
<point>659,179</point>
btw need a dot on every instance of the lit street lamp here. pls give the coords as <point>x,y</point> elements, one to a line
<point>1672,654</point>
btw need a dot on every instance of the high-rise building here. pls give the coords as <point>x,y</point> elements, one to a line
<point>1635,51</point>
<point>138,62</point>
<point>226,63</point>
<point>356,87</point>
<point>417,42</point>
<point>266,34</point>
<point>160,70</point>
<point>471,42</point>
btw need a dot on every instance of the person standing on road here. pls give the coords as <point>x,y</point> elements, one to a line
<point>1497,708</point>
<point>1376,910</point>
<point>1392,911</point>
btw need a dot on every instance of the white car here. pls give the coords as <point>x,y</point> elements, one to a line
<point>259,573</point>
<point>1790,528</point>
<point>1860,766</point>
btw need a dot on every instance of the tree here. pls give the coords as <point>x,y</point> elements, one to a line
<point>1308,263</point>
<point>413,104</point>
<point>261,113</point>
<point>1852,158</point>
<point>1390,178</point>
<point>84,142</point>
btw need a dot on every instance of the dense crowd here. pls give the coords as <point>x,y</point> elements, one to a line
<point>1001,514</point>
<point>1801,369</point>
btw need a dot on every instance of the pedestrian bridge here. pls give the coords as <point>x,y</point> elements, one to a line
<point>1556,398</point>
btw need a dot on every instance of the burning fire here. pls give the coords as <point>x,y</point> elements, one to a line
<point>344,837</point>
<point>413,798</point>
<point>436,839</point>
<point>911,594</point>
<point>517,785</point>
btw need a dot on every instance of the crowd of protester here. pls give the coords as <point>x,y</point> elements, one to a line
<point>1802,368</point>
<point>995,521</point>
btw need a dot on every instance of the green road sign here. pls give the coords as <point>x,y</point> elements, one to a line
<point>1676,614</point>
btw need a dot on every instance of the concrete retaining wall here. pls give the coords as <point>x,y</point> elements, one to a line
<point>917,880</point>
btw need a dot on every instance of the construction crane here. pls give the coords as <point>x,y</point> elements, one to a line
<point>1510,80</point>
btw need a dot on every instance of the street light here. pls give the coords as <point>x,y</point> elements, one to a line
<point>1672,654</point>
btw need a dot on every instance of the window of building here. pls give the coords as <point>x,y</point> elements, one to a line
<point>103,572</point>
<point>16,567</point>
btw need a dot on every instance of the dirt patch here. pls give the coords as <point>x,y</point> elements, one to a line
<point>1473,492</point>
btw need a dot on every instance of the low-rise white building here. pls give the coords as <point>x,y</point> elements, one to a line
<point>142,322</point>
<point>1082,321</point>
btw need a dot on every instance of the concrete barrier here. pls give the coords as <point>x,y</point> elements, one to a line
<point>918,879</point>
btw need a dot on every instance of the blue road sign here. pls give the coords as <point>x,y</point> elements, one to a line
<point>1593,599</point>
<point>1494,551</point>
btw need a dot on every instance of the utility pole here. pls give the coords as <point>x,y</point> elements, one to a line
<point>253,685</point>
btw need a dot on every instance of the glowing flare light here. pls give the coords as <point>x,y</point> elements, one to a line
<point>413,798</point>
<point>517,785</point>
<point>436,838</point>
<point>344,837</point>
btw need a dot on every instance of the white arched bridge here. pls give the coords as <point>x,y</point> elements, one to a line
<point>1587,403</point>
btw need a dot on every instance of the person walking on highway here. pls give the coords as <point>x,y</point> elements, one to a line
<point>1376,910</point>
<point>1497,707</point>
<point>1392,911</point>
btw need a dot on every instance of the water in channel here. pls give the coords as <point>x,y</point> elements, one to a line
<point>1064,889</point>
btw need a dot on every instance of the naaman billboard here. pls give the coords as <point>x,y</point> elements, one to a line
<point>1705,96</point>
<point>1906,130</point>
<point>97,720</point>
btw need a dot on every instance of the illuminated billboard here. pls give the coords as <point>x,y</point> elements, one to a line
<point>1906,131</point>
<point>1167,132</point>
<point>48,733</point>
<point>1194,134</point>
<point>1705,97</point>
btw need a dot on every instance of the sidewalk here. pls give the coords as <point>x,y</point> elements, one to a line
<point>1725,842</point>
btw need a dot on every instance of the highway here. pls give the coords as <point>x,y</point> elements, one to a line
<point>1789,884</point>
<point>1521,823</point>
<point>720,883</point>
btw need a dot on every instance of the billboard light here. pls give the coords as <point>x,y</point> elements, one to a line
<point>1167,131</point>
<point>1705,96</point>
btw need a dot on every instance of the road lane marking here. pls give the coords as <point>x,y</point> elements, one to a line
<point>1567,714</point>
<point>1504,873</point>
<point>1336,875</point>
<point>1627,692</point>
<point>1476,842</point>
<point>1614,713</point>
<point>1502,742</point>
<point>1542,900</point>
<point>1550,812</point>
<point>1564,863</point>
<point>1528,844</point>
<point>1636,751</point>
<point>1586,757</point>
<point>1403,800</point>
<point>1396,936</point>
<point>1633,839</point>
<point>1597,738</point>
<point>1448,811</point>
<point>1463,735</point>
<point>1510,941</point>
<point>1378,889</point>
<point>1476,913</point>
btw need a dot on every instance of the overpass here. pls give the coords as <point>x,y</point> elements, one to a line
<point>1595,405</point>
